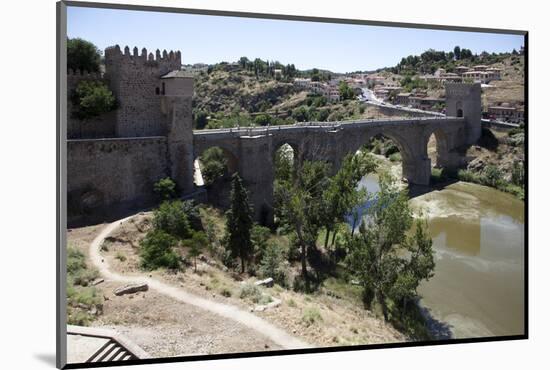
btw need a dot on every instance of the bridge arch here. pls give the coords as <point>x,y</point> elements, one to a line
<point>437,146</point>
<point>231,162</point>
<point>295,145</point>
<point>408,153</point>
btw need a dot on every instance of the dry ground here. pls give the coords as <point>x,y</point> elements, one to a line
<point>332,316</point>
<point>164,327</point>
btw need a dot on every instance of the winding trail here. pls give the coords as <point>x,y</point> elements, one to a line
<point>231,312</point>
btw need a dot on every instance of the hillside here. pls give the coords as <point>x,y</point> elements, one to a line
<point>229,96</point>
<point>251,93</point>
<point>510,89</point>
<point>226,92</point>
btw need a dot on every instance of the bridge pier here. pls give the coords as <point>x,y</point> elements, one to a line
<point>256,170</point>
<point>417,171</point>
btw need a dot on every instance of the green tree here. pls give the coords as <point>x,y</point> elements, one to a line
<point>193,214</point>
<point>91,99</point>
<point>346,92</point>
<point>213,164</point>
<point>259,235</point>
<point>300,114</point>
<point>284,163</point>
<point>201,119</point>
<point>196,244</point>
<point>272,264</point>
<point>171,218</point>
<point>82,55</point>
<point>156,250</point>
<point>341,196</point>
<point>165,188</point>
<point>300,206</point>
<point>262,119</point>
<point>387,262</point>
<point>239,223</point>
<point>456,52</point>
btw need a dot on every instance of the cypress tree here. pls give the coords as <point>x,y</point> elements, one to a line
<point>239,223</point>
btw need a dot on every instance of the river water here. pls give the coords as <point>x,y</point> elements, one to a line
<point>478,238</point>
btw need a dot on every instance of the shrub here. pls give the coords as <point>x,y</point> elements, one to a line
<point>311,315</point>
<point>193,214</point>
<point>272,264</point>
<point>250,291</point>
<point>120,256</point>
<point>75,261</point>
<point>259,236</point>
<point>201,120</point>
<point>395,157</point>
<point>77,271</point>
<point>78,292</point>
<point>518,173</point>
<point>196,244</point>
<point>157,251</point>
<point>172,219</point>
<point>91,99</point>
<point>492,176</point>
<point>165,188</point>
<point>226,292</point>
<point>469,176</point>
<point>213,164</point>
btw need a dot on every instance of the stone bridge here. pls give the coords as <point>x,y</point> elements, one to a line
<point>251,151</point>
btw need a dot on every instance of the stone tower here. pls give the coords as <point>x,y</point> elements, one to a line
<point>464,100</point>
<point>135,80</point>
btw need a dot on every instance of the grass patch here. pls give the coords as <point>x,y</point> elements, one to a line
<point>344,289</point>
<point>82,299</point>
<point>492,179</point>
<point>311,316</point>
<point>120,256</point>
<point>226,292</point>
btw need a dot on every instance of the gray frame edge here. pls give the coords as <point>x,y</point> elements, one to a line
<point>61,188</point>
<point>290,17</point>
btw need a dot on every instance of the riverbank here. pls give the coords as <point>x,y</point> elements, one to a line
<point>478,239</point>
<point>497,161</point>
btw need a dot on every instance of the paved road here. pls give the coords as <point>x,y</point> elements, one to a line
<point>231,312</point>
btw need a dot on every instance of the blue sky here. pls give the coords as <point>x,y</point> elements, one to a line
<point>211,39</point>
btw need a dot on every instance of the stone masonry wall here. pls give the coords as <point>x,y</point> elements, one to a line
<point>113,171</point>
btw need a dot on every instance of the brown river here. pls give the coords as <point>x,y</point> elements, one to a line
<point>478,238</point>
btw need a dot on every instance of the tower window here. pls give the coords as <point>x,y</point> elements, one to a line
<point>163,89</point>
<point>157,90</point>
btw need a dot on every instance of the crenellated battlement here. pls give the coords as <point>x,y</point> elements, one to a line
<point>461,88</point>
<point>115,53</point>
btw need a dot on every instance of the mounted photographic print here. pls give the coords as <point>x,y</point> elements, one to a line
<point>235,184</point>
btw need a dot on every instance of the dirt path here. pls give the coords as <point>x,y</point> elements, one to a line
<point>231,312</point>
